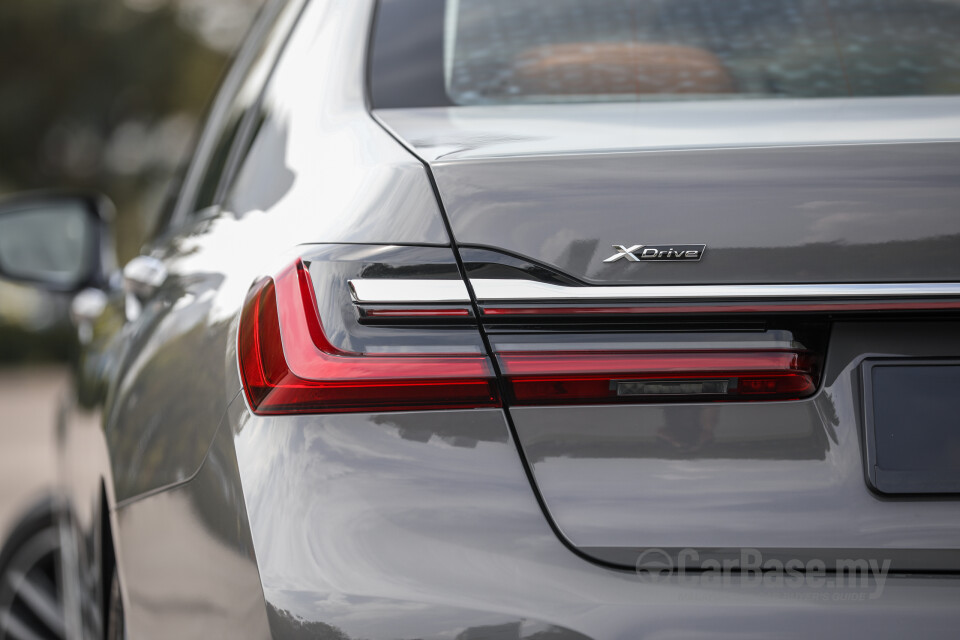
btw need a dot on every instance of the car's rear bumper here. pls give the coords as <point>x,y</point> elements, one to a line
<point>425,525</point>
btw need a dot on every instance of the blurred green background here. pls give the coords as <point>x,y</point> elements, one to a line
<point>103,95</point>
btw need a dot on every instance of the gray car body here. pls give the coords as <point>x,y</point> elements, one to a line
<point>429,524</point>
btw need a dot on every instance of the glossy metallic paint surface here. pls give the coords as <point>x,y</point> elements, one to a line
<point>424,525</point>
<point>458,134</point>
<point>772,189</point>
<point>162,409</point>
<point>186,567</point>
<point>188,561</point>
<point>161,415</point>
<point>320,169</point>
<point>754,475</point>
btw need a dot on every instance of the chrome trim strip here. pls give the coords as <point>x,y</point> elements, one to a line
<point>387,291</point>
<point>514,290</point>
<point>379,290</point>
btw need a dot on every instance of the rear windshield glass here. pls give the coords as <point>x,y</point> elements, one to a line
<point>469,52</point>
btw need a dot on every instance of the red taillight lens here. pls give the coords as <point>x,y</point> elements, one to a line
<point>586,377</point>
<point>289,366</point>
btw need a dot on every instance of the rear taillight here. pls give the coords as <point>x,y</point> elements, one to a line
<point>289,365</point>
<point>544,378</point>
<point>331,333</point>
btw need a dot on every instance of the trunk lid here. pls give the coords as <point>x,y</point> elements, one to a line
<point>839,190</point>
<point>792,193</point>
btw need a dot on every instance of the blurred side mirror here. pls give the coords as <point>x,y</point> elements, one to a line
<point>55,241</point>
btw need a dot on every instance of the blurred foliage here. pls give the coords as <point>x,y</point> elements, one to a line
<point>102,95</point>
<point>18,344</point>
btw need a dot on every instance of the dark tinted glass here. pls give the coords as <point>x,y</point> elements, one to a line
<point>435,52</point>
<point>407,57</point>
<point>234,116</point>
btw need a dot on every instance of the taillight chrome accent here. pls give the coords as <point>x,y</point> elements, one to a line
<point>417,313</point>
<point>723,308</point>
<point>289,366</point>
<point>588,377</point>
<point>503,298</point>
<point>524,290</point>
<point>387,291</point>
<point>428,315</point>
